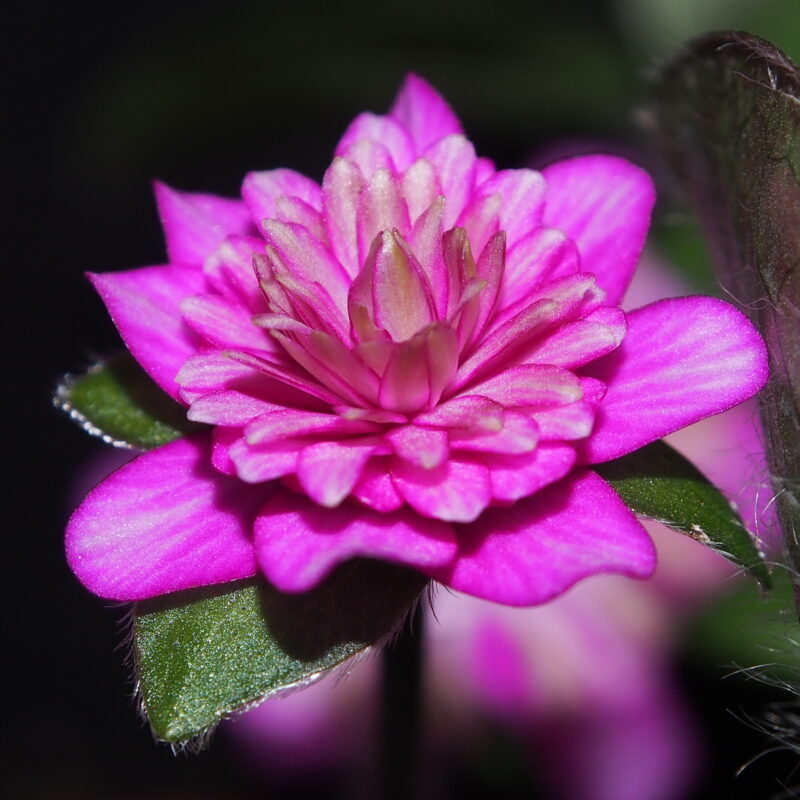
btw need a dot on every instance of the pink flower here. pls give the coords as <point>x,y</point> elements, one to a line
<point>417,361</point>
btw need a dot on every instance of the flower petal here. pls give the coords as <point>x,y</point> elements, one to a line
<point>516,476</point>
<point>682,360</point>
<point>328,471</point>
<point>164,522</point>
<point>456,491</point>
<point>298,543</point>
<point>453,159</point>
<point>261,191</point>
<point>145,306</point>
<point>583,340</point>
<point>523,193</point>
<point>424,112</point>
<point>374,487</point>
<point>604,204</point>
<point>529,553</point>
<point>196,224</point>
<point>389,132</point>
<point>223,323</point>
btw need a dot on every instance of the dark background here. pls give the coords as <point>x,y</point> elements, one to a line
<point>102,100</point>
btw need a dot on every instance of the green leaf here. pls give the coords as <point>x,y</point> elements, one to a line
<point>727,117</point>
<point>203,654</point>
<point>658,482</point>
<point>119,402</point>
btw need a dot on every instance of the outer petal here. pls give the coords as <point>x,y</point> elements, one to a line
<point>164,522</point>
<point>298,543</point>
<point>424,112</point>
<point>145,306</point>
<point>682,360</point>
<point>529,553</point>
<point>196,224</point>
<point>604,204</point>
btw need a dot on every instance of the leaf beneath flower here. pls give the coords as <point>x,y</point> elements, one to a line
<point>659,483</point>
<point>119,402</point>
<point>204,654</point>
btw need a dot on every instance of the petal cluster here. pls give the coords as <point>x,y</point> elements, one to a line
<point>417,360</point>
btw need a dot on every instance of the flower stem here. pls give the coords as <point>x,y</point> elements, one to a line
<point>402,689</point>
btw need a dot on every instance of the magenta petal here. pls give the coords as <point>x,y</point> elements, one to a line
<point>390,133</point>
<point>328,471</point>
<point>604,204</point>
<point>453,159</point>
<point>424,112</point>
<point>534,550</point>
<point>374,487</point>
<point>145,306</point>
<point>298,543</point>
<point>196,224</point>
<point>229,407</point>
<point>424,447</point>
<point>225,324</point>
<point>456,491</point>
<point>262,190</point>
<point>682,360</point>
<point>516,476</point>
<point>164,522</point>
<point>522,192</point>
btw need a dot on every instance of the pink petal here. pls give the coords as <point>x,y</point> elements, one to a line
<point>402,299</point>
<point>456,491</point>
<point>519,434</point>
<point>516,476</point>
<point>423,447</point>
<point>241,371</point>
<point>425,241</point>
<point>328,471</point>
<point>228,407</point>
<point>374,487</point>
<point>542,255</point>
<point>419,369</point>
<point>584,340</point>
<point>261,191</point>
<point>308,259</point>
<point>419,187</point>
<point>536,549</point>
<point>145,306</point>
<point>604,204</point>
<point>424,112</point>
<point>531,385</point>
<point>340,189</point>
<point>682,360</point>
<point>230,271</point>
<point>391,134</point>
<point>223,323</point>
<point>522,192</point>
<point>565,423</point>
<point>286,422</point>
<point>260,463</point>
<point>196,224</point>
<point>164,522</point>
<point>298,543</point>
<point>467,412</point>
<point>453,158</point>
<point>381,208</point>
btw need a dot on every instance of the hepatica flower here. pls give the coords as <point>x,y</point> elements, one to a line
<point>418,360</point>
